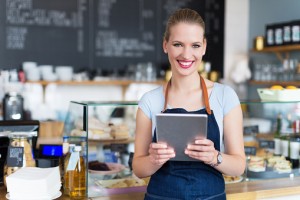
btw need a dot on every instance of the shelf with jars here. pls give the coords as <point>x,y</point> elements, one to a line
<point>106,130</point>
<point>279,50</point>
<point>284,48</point>
<point>285,73</point>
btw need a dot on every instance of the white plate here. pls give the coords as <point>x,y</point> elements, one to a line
<point>54,197</point>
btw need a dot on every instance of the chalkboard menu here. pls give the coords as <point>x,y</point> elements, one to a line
<point>98,34</point>
<point>46,31</point>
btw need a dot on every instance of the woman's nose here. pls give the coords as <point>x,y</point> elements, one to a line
<point>187,53</point>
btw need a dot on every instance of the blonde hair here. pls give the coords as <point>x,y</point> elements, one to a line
<point>183,15</point>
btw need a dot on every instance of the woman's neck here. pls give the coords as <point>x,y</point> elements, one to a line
<point>185,83</point>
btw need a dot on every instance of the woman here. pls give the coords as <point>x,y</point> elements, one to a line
<point>187,92</point>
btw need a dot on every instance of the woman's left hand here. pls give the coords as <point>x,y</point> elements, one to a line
<point>202,149</point>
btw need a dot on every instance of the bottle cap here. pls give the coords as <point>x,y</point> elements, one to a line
<point>77,148</point>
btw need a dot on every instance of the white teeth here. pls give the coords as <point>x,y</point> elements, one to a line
<point>185,63</point>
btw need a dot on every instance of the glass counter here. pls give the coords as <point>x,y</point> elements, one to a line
<point>106,131</point>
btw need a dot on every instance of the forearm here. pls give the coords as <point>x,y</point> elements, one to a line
<point>143,167</point>
<point>233,165</point>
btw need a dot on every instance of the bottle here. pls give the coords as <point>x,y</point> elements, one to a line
<point>66,176</point>
<point>278,34</point>
<point>294,151</point>
<point>65,149</point>
<point>296,32</point>
<point>277,133</point>
<point>285,146</point>
<point>287,33</point>
<point>270,34</point>
<point>77,177</point>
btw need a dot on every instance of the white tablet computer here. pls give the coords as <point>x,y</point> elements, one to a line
<point>178,130</point>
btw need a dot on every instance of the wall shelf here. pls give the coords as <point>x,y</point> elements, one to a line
<point>123,83</point>
<point>104,82</point>
<point>278,50</point>
<point>285,48</point>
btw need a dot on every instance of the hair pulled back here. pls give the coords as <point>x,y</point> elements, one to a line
<point>185,15</point>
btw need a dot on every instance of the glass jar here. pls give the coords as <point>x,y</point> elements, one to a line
<point>24,141</point>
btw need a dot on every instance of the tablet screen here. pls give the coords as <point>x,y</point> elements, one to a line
<point>178,130</point>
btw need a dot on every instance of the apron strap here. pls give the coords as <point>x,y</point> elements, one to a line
<point>204,90</point>
<point>166,95</point>
<point>205,95</point>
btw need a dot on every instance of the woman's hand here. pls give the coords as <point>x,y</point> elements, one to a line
<point>202,149</point>
<point>160,153</point>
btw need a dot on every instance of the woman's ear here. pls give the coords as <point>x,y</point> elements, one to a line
<point>204,46</point>
<point>165,46</point>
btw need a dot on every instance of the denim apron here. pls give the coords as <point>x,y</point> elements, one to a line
<point>189,180</point>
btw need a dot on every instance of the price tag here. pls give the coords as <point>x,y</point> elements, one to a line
<point>74,158</point>
<point>250,150</point>
<point>266,144</point>
<point>15,156</point>
<point>250,130</point>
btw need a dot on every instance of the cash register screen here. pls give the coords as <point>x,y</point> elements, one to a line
<point>50,150</point>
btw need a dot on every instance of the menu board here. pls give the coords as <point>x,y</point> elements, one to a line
<point>45,31</point>
<point>99,34</point>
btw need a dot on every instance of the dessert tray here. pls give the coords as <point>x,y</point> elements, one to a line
<point>271,167</point>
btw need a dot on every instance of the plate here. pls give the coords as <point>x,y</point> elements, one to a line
<point>121,186</point>
<point>232,179</point>
<point>54,197</point>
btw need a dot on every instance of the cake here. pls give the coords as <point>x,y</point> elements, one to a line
<point>32,183</point>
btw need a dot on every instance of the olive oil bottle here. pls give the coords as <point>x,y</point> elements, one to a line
<point>77,177</point>
<point>66,183</point>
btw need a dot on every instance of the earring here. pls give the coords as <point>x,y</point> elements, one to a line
<point>165,50</point>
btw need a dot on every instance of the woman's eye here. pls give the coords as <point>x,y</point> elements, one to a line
<point>177,45</point>
<point>196,46</point>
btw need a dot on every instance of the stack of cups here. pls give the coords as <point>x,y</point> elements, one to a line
<point>47,73</point>
<point>31,70</point>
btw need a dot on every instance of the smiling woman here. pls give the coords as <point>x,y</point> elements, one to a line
<point>187,92</point>
<point>185,48</point>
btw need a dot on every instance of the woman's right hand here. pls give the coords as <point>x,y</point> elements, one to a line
<point>160,153</point>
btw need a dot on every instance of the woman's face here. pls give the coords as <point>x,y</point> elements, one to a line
<point>185,47</point>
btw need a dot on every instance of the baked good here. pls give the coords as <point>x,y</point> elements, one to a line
<point>283,166</point>
<point>232,179</point>
<point>275,159</point>
<point>98,166</point>
<point>128,182</point>
<point>119,131</point>
<point>257,164</point>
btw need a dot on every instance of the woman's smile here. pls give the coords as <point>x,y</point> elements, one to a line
<point>185,64</point>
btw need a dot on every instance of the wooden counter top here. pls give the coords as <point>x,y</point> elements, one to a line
<point>237,191</point>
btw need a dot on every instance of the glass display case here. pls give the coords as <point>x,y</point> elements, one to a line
<point>106,131</point>
<point>271,138</point>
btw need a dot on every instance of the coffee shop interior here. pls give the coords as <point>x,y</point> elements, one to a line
<point>72,72</point>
